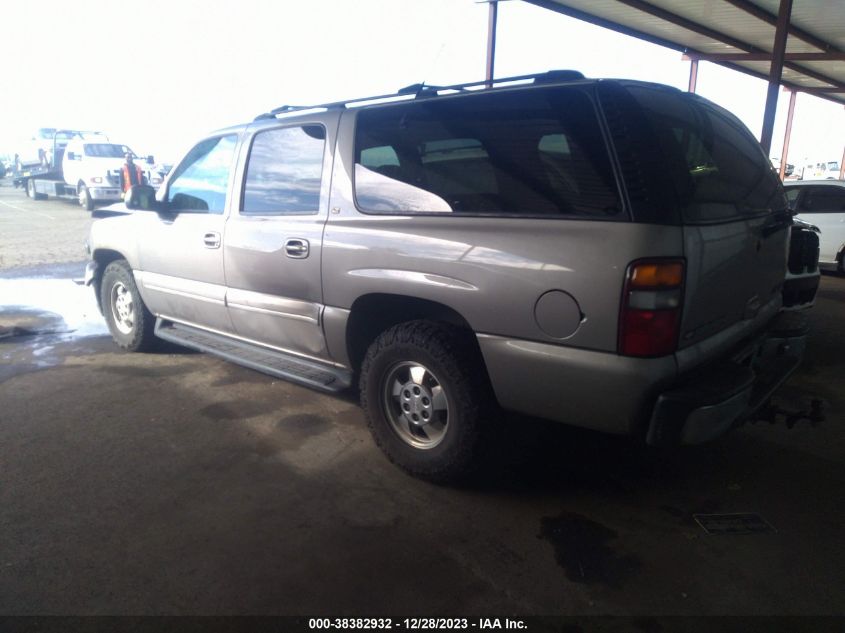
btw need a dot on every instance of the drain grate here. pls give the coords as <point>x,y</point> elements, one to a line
<point>739,523</point>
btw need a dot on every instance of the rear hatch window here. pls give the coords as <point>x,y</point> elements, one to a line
<point>687,160</point>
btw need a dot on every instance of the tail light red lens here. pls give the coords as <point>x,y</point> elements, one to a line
<point>650,317</point>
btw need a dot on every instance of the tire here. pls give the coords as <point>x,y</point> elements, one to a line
<point>430,373</point>
<point>30,191</point>
<point>130,322</point>
<point>85,200</point>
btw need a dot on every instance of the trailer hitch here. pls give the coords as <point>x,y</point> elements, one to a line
<point>772,413</point>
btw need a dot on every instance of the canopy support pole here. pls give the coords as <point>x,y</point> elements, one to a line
<point>775,72</point>
<point>492,19</point>
<point>788,134</point>
<point>693,75</point>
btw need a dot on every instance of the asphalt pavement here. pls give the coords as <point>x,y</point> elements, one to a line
<point>176,483</point>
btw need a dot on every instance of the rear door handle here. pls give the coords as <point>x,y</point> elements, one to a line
<point>211,239</point>
<point>296,248</point>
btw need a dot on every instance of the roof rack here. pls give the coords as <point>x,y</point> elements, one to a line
<point>421,90</point>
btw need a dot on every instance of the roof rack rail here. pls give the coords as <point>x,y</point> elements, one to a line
<point>422,90</point>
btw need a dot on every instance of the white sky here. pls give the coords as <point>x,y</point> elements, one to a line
<point>158,74</point>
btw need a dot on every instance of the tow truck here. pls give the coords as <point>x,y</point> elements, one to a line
<point>82,165</point>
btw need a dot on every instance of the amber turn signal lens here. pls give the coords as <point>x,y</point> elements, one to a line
<point>662,275</point>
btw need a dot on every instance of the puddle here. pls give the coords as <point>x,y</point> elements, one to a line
<point>585,550</point>
<point>48,306</point>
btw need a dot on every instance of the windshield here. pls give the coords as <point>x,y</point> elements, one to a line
<point>106,150</point>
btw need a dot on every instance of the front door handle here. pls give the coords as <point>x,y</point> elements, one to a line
<point>211,239</point>
<point>297,248</point>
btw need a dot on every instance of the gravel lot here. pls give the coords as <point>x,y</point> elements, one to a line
<point>38,232</point>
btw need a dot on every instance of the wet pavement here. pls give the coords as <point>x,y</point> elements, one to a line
<point>176,483</point>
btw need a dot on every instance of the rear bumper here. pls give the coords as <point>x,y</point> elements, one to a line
<point>711,401</point>
<point>632,396</point>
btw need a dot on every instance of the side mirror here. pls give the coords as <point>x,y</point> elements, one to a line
<point>71,156</point>
<point>141,198</point>
<point>151,160</point>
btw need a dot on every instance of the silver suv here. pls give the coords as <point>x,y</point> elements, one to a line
<point>608,254</point>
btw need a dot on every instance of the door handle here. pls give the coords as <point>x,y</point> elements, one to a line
<point>296,248</point>
<point>211,239</point>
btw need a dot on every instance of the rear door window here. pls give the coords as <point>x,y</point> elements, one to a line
<point>284,171</point>
<point>533,152</point>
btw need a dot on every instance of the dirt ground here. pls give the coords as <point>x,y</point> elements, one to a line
<point>176,483</point>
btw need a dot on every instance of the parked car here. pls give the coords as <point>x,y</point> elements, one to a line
<point>461,251</point>
<point>822,203</point>
<point>790,168</point>
<point>823,170</point>
<point>802,266</point>
<point>38,149</point>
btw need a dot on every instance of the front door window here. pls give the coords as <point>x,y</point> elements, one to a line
<point>202,180</point>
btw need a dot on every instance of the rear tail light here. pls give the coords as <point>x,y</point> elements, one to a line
<point>650,317</point>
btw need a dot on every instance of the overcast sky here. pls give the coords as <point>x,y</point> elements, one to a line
<point>157,74</point>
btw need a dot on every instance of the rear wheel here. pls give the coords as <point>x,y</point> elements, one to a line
<point>85,200</point>
<point>32,193</point>
<point>425,395</point>
<point>130,322</point>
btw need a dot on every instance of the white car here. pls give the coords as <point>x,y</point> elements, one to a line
<point>38,149</point>
<point>822,204</point>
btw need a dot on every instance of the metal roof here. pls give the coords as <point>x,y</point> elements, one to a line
<point>739,34</point>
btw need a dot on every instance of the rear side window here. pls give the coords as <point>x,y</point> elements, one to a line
<point>823,200</point>
<point>717,169</point>
<point>284,170</point>
<point>536,152</point>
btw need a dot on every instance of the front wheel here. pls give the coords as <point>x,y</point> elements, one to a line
<point>424,392</point>
<point>130,322</point>
<point>85,200</point>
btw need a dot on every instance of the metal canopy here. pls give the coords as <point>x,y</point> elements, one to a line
<point>738,34</point>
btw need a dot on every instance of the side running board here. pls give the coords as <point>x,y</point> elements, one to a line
<point>268,361</point>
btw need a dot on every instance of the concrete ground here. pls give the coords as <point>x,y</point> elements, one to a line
<point>176,483</point>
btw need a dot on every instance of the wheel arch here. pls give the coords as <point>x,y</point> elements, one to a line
<point>372,314</point>
<point>103,257</point>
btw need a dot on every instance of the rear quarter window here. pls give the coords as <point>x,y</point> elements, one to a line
<point>537,152</point>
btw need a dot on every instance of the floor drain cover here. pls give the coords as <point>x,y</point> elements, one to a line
<point>741,523</point>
